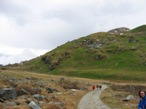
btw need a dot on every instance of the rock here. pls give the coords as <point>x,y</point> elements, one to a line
<point>53,81</point>
<point>74,90</point>
<point>57,103</point>
<point>59,93</point>
<point>129,98</point>
<point>18,103</point>
<point>1,100</point>
<point>119,30</point>
<point>49,90</point>
<point>133,48</point>
<point>56,90</point>
<point>23,91</point>
<point>33,105</point>
<point>8,93</point>
<point>40,103</point>
<point>40,83</point>
<point>23,97</point>
<point>38,97</point>
<point>99,56</point>
<point>10,103</point>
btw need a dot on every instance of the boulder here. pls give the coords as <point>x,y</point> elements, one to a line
<point>1,100</point>
<point>55,90</point>
<point>23,91</point>
<point>8,93</point>
<point>129,98</point>
<point>49,90</point>
<point>74,90</point>
<point>119,30</point>
<point>33,105</point>
<point>38,97</point>
<point>10,103</point>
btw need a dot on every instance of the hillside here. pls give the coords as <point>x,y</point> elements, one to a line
<point>102,55</point>
<point>141,28</point>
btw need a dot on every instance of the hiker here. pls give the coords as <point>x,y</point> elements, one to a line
<point>98,87</point>
<point>142,102</point>
<point>93,87</point>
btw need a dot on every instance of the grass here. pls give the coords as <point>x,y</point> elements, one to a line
<point>110,74</point>
<point>114,95</point>
<point>141,28</point>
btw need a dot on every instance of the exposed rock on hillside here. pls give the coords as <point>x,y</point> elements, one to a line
<point>120,30</point>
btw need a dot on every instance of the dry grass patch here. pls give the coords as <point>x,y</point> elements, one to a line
<point>114,95</point>
<point>27,87</point>
<point>51,106</point>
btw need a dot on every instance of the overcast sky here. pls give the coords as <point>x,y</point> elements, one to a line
<point>29,28</point>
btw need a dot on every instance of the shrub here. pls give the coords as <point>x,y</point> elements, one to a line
<point>68,84</point>
<point>28,88</point>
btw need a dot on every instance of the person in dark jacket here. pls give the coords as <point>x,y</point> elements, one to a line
<point>142,102</point>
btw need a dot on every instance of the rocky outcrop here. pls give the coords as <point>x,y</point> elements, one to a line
<point>120,30</point>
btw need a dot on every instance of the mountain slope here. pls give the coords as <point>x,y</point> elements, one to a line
<point>102,55</point>
<point>141,28</point>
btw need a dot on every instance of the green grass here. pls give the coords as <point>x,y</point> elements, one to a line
<point>107,74</point>
<point>141,28</point>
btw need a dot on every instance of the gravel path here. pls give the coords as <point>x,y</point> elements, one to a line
<point>92,100</point>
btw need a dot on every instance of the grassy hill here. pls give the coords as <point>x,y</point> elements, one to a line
<point>102,55</point>
<point>141,28</point>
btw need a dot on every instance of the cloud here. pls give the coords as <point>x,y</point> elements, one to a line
<point>11,59</point>
<point>46,24</point>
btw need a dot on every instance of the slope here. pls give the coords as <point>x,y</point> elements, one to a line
<point>101,55</point>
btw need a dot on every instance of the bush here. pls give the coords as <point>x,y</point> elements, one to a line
<point>68,84</point>
<point>28,88</point>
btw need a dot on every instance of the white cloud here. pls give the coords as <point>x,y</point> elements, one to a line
<point>42,25</point>
<point>25,55</point>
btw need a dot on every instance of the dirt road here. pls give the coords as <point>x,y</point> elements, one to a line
<point>92,100</point>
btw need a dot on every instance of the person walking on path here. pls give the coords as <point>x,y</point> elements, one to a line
<point>142,102</point>
<point>93,87</point>
<point>92,100</point>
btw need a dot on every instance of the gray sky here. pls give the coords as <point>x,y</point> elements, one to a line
<point>32,27</point>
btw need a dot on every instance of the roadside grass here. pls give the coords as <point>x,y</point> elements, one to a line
<point>114,95</point>
<point>114,100</point>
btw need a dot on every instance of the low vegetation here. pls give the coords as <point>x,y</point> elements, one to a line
<point>115,95</point>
